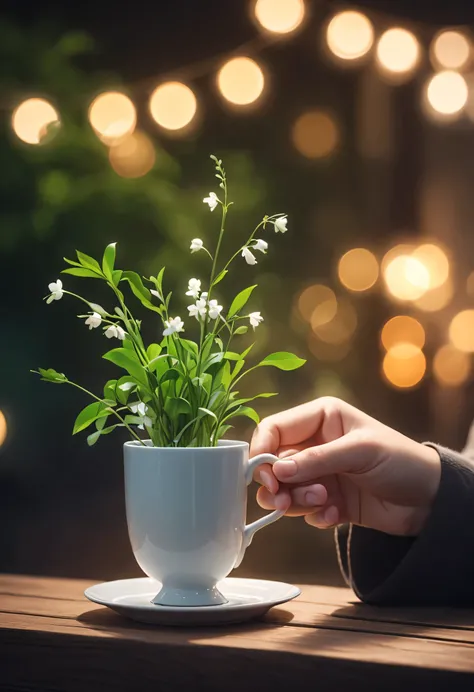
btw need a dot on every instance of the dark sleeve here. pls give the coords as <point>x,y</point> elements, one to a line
<point>436,567</point>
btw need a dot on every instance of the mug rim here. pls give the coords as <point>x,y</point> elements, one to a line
<point>228,444</point>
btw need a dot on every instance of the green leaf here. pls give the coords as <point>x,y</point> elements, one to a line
<point>127,360</point>
<point>88,262</point>
<point>51,375</point>
<point>190,346</point>
<point>100,422</point>
<point>244,411</point>
<point>206,412</point>
<point>231,355</point>
<point>108,261</point>
<point>175,406</point>
<point>240,300</point>
<point>241,330</point>
<point>222,430</point>
<point>264,395</point>
<point>124,388</point>
<point>283,361</point>
<point>117,276</point>
<point>93,437</point>
<point>140,291</point>
<point>133,420</point>
<point>159,281</point>
<point>80,271</point>
<point>74,264</point>
<point>88,415</point>
<point>153,351</point>
<point>219,277</point>
<point>212,360</point>
<point>109,389</point>
<point>170,374</point>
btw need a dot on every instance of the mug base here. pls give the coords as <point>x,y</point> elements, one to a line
<point>197,597</point>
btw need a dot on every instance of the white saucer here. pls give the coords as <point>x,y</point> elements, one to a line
<point>247,599</point>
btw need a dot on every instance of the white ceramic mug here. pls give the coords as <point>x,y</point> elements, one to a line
<point>186,510</point>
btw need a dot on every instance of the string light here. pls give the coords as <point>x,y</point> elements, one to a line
<point>241,81</point>
<point>436,298</point>
<point>446,95</point>
<point>173,105</point>
<point>3,428</point>
<point>315,134</point>
<point>349,35</point>
<point>398,53</point>
<point>404,366</point>
<point>450,50</point>
<point>406,278</point>
<point>451,367</point>
<point>133,157</point>
<point>112,116</point>
<point>317,297</point>
<point>358,269</point>
<point>279,16</point>
<point>461,331</point>
<point>32,118</point>
<point>340,328</point>
<point>402,329</point>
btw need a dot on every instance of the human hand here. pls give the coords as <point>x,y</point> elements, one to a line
<point>339,465</point>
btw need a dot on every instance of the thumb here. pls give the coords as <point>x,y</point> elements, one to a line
<point>351,453</point>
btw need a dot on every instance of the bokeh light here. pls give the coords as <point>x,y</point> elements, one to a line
<point>451,367</point>
<point>436,298</point>
<point>340,328</point>
<point>112,116</point>
<point>133,157</point>
<point>315,134</point>
<point>406,278</point>
<point>461,331</point>
<point>398,52</point>
<point>402,329</point>
<point>241,81</point>
<point>349,35</point>
<point>280,16</point>
<point>446,95</point>
<point>173,105</point>
<point>450,50</point>
<point>317,296</point>
<point>436,262</point>
<point>358,269</point>
<point>3,428</point>
<point>32,118</point>
<point>404,365</point>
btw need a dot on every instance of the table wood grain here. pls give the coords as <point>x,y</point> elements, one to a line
<point>53,638</point>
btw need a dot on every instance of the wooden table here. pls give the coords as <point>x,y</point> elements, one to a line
<point>52,638</point>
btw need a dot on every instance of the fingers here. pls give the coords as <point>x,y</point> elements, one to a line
<point>264,474</point>
<point>302,499</point>
<point>326,519</point>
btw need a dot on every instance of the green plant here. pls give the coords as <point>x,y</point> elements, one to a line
<point>182,392</point>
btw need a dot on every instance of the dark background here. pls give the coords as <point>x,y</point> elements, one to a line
<point>61,503</point>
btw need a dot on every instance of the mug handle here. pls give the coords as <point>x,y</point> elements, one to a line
<point>251,529</point>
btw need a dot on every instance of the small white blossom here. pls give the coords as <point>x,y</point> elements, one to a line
<point>248,256</point>
<point>212,201</point>
<point>194,287</point>
<point>280,224</point>
<point>141,409</point>
<point>261,245</point>
<point>114,331</point>
<point>174,324</point>
<point>155,293</point>
<point>214,309</point>
<point>94,320</point>
<point>255,319</point>
<point>199,309</point>
<point>56,289</point>
<point>196,245</point>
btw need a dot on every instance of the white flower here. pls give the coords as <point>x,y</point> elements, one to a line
<point>212,201</point>
<point>194,287</point>
<point>248,256</point>
<point>155,293</point>
<point>174,324</point>
<point>255,319</point>
<point>214,309</point>
<point>196,245</point>
<point>198,309</point>
<point>97,308</point>
<point>280,224</point>
<point>261,245</point>
<point>141,409</point>
<point>56,289</point>
<point>94,320</point>
<point>114,331</point>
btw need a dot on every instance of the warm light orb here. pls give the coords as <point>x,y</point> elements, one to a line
<point>3,428</point>
<point>279,16</point>
<point>30,120</point>
<point>451,367</point>
<point>450,50</point>
<point>402,329</point>
<point>340,328</point>
<point>173,105</point>
<point>133,157</point>
<point>112,116</point>
<point>446,94</point>
<point>358,269</point>
<point>349,35</point>
<point>241,81</point>
<point>317,300</point>
<point>435,261</point>
<point>398,52</point>
<point>406,278</point>
<point>315,134</point>
<point>461,331</point>
<point>436,298</point>
<point>404,365</point>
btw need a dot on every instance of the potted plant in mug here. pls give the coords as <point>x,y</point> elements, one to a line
<point>185,485</point>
